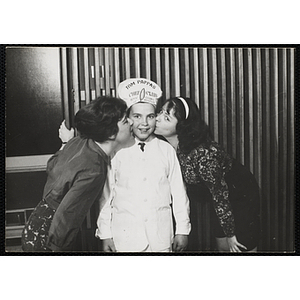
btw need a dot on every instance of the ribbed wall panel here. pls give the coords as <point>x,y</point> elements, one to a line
<point>166,73</point>
<point>157,63</point>
<point>75,79</point>
<point>291,150</point>
<point>233,102</point>
<point>223,98</point>
<point>275,149</point>
<point>241,107</point>
<point>65,85</point>
<point>97,72</point>
<point>246,96</point>
<point>86,76</point>
<point>266,157</point>
<point>91,68</point>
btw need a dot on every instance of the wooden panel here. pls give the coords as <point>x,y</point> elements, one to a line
<point>258,121</point>
<point>215,106</point>
<point>233,102</point>
<point>127,62</point>
<point>223,96</point>
<point>116,69</point>
<point>65,87</point>
<point>137,62</point>
<point>283,142</point>
<point>274,148</point>
<point>266,182</point>
<point>167,73</point>
<point>250,111</point>
<point>204,81</point>
<point>112,80</point>
<point>75,79</point>
<point>176,72</point>
<point>148,63</point>
<point>97,72</point>
<point>32,85</point>
<point>195,82</point>
<point>86,75</point>
<point>26,163</point>
<point>258,118</point>
<point>91,65</point>
<point>186,69</point>
<point>81,76</point>
<point>158,66</point>
<point>107,72</point>
<point>241,107</point>
<point>102,71</point>
<point>291,150</point>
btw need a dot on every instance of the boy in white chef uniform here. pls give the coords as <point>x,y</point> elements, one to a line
<point>146,185</point>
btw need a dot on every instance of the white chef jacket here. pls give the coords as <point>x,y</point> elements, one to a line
<point>146,187</point>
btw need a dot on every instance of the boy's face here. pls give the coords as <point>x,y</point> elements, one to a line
<point>143,118</point>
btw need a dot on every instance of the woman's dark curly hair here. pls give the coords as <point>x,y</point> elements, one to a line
<point>192,131</point>
<point>99,119</point>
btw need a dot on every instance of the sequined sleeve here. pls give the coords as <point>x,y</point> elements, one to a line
<point>212,173</point>
<point>207,165</point>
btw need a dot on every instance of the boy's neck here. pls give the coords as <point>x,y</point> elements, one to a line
<point>149,139</point>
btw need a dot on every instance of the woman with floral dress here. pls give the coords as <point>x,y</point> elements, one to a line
<point>212,175</point>
<point>76,176</point>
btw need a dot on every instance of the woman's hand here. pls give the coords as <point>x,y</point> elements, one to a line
<point>64,133</point>
<point>109,245</point>
<point>234,245</point>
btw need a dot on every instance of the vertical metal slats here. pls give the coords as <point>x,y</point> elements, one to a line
<point>246,96</point>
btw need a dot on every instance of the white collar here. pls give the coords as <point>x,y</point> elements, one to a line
<point>146,142</point>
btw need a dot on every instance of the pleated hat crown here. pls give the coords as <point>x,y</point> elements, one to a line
<point>136,90</point>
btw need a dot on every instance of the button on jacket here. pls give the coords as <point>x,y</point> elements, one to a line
<point>76,176</point>
<point>146,186</point>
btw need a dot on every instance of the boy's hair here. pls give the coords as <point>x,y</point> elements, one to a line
<point>99,119</point>
<point>129,108</point>
<point>192,131</point>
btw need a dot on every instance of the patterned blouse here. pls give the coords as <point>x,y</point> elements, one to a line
<point>209,164</point>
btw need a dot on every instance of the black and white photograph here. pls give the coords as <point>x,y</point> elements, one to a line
<point>150,149</point>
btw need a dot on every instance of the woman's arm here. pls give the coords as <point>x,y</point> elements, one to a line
<point>211,172</point>
<point>73,209</point>
<point>65,135</point>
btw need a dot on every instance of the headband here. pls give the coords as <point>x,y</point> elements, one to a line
<point>186,107</point>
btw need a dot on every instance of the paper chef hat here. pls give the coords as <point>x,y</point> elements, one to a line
<point>134,90</point>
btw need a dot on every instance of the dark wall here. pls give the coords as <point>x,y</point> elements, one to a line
<point>25,189</point>
<point>33,101</point>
